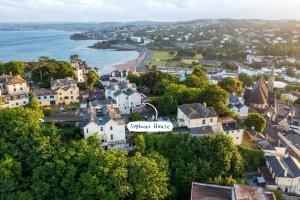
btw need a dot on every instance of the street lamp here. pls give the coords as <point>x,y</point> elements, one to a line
<point>156,113</point>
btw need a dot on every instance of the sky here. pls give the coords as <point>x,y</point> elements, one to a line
<point>137,10</point>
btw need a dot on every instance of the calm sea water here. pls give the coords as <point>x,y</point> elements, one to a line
<point>30,45</point>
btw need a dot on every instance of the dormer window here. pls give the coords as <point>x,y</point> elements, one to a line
<point>203,121</point>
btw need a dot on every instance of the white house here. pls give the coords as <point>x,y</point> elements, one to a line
<point>232,129</point>
<point>45,97</point>
<point>119,75</point>
<point>107,124</point>
<point>126,100</point>
<point>125,95</point>
<point>236,104</point>
<point>13,91</point>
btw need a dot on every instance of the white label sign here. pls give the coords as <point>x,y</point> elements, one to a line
<point>157,126</point>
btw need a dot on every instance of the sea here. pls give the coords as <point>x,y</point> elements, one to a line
<point>30,45</point>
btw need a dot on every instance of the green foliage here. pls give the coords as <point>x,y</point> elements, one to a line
<point>229,66</point>
<point>135,116</point>
<point>246,79</point>
<point>297,101</point>
<point>197,79</point>
<point>257,121</point>
<point>45,69</point>
<point>231,85</point>
<point>92,78</point>
<point>14,67</point>
<point>140,143</point>
<point>35,163</point>
<point>202,159</point>
<point>252,158</point>
<point>34,104</point>
<point>134,78</point>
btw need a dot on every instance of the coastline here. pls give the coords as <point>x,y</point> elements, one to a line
<point>137,64</point>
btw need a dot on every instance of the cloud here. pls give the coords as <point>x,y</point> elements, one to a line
<point>159,10</point>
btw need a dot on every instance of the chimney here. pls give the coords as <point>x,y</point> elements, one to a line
<point>285,173</point>
<point>10,73</point>
<point>204,104</point>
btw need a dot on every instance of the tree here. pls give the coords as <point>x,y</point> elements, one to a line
<point>134,78</point>
<point>147,179</point>
<point>140,143</point>
<point>202,159</point>
<point>15,67</point>
<point>34,104</point>
<point>92,78</point>
<point>167,104</point>
<point>257,121</point>
<point>171,53</point>
<point>2,68</point>
<point>35,163</point>
<point>193,80</point>
<point>246,79</point>
<point>231,85</point>
<point>297,102</point>
<point>74,58</point>
<point>135,116</point>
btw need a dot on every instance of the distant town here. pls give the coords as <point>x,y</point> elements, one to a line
<point>230,89</point>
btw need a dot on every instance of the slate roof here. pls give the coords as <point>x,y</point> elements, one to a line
<point>260,94</point>
<point>43,92</point>
<point>130,92</point>
<point>279,165</point>
<point>204,130</point>
<point>197,110</point>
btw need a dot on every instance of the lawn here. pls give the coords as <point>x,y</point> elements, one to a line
<point>160,58</point>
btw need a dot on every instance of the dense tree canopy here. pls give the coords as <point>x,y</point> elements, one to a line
<point>92,78</point>
<point>13,67</point>
<point>246,79</point>
<point>257,121</point>
<point>45,69</point>
<point>231,85</point>
<point>202,159</point>
<point>35,163</point>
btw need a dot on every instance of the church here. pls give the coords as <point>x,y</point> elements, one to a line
<point>262,97</point>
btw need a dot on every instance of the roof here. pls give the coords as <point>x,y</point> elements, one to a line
<point>43,92</point>
<point>260,92</point>
<point>202,191</point>
<point>204,130</point>
<point>245,192</point>
<point>197,110</point>
<point>66,82</point>
<point>130,92</point>
<point>281,164</point>
<point>10,80</point>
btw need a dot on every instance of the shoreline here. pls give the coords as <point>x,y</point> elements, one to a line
<point>137,64</point>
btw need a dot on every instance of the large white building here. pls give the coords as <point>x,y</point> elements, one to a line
<point>237,105</point>
<point>106,122</point>
<point>13,91</point>
<point>125,95</point>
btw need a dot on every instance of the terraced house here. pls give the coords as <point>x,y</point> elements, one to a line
<point>66,90</point>
<point>13,91</point>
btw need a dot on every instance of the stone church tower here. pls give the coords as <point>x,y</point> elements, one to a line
<point>271,80</point>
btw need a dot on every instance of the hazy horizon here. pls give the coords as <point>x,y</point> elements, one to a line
<point>97,11</point>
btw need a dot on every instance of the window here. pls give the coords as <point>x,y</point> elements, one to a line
<point>71,92</point>
<point>39,97</point>
<point>203,121</point>
<point>45,97</point>
<point>87,130</point>
<point>24,102</point>
<point>17,104</point>
<point>71,97</point>
<point>51,97</point>
<point>101,128</point>
<point>211,120</point>
<point>15,89</point>
<point>21,88</point>
<point>111,128</point>
<point>111,136</point>
<point>237,138</point>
